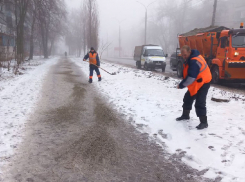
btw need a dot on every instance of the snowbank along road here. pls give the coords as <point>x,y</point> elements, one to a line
<point>74,135</point>
<point>129,62</point>
<point>152,102</point>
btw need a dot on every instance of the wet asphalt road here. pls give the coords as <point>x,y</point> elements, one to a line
<point>75,136</point>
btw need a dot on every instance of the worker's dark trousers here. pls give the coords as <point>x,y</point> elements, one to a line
<point>200,98</point>
<point>93,68</point>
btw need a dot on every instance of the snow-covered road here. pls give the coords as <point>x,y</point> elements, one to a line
<point>152,102</point>
<point>18,96</point>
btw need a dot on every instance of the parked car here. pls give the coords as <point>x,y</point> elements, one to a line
<point>150,57</point>
<point>173,60</point>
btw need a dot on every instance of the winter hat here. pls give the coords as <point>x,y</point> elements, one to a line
<point>92,49</point>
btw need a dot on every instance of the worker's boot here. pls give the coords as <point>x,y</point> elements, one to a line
<point>90,80</point>
<point>99,79</point>
<point>185,115</point>
<point>203,123</point>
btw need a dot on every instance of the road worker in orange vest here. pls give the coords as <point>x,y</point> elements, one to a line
<point>197,78</point>
<point>94,64</point>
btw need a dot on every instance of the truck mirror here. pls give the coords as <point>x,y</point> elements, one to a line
<point>166,55</point>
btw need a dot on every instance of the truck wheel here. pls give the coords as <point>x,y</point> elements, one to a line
<point>138,64</point>
<point>215,75</point>
<point>146,67</point>
<point>163,69</point>
<point>172,66</point>
<point>180,70</point>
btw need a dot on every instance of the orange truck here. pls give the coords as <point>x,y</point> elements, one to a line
<point>222,48</point>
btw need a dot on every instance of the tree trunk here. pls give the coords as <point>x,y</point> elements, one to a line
<point>51,46</point>
<point>84,42</point>
<point>80,46</point>
<point>44,41</point>
<point>32,39</point>
<point>79,52</point>
<point>20,15</point>
<point>90,24</point>
<point>20,44</point>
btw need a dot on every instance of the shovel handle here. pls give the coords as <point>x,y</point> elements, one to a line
<point>100,68</point>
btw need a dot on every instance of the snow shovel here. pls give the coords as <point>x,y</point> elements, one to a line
<point>114,73</point>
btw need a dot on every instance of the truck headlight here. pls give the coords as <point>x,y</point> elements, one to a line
<point>150,60</point>
<point>236,53</point>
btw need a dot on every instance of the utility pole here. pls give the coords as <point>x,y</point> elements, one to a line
<point>146,9</point>
<point>90,24</point>
<point>145,26</point>
<point>84,39</point>
<point>108,46</point>
<point>119,22</point>
<point>119,40</point>
<point>214,12</point>
<point>183,16</point>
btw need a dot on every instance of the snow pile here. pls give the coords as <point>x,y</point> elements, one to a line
<point>152,102</point>
<point>18,96</point>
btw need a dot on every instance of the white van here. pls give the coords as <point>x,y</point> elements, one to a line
<point>150,57</point>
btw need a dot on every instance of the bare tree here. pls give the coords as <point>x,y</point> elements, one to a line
<point>103,47</point>
<point>175,18</point>
<point>75,37</point>
<point>51,15</point>
<point>92,23</point>
<point>21,7</point>
<point>84,28</point>
<point>33,12</point>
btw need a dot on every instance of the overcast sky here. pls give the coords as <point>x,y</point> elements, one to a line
<point>112,11</point>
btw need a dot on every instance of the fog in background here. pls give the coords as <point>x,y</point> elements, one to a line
<point>166,19</point>
<point>132,17</point>
<point>54,27</point>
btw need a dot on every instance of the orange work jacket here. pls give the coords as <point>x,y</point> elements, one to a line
<point>203,77</point>
<point>92,58</point>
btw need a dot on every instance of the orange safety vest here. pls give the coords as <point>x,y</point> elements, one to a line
<point>204,74</point>
<point>92,58</point>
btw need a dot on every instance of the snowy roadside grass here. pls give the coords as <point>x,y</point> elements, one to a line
<point>151,102</point>
<point>6,75</point>
<point>18,96</point>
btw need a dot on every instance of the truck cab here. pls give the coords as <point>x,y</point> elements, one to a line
<point>229,63</point>
<point>150,57</point>
<point>223,50</point>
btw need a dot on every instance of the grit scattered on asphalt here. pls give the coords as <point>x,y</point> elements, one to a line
<point>74,135</point>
